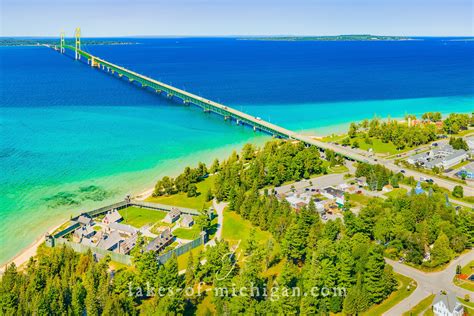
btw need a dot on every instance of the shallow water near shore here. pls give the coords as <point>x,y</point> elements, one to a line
<point>73,138</point>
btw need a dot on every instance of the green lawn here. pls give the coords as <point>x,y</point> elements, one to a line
<point>396,297</point>
<point>466,284</point>
<point>236,228</point>
<point>181,199</point>
<point>338,169</point>
<point>421,306</point>
<point>461,164</point>
<point>377,145</point>
<point>359,198</point>
<point>137,217</point>
<point>396,192</point>
<point>187,233</point>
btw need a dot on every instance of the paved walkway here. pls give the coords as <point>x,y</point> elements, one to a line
<point>429,282</point>
<point>219,207</point>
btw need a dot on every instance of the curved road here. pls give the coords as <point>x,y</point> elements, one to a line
<point>429,282</point>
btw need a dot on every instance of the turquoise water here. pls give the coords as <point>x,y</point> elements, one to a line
<point>73,138</point>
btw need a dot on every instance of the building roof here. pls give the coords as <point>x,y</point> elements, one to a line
<point>449,300</point>
<point>84,219</point>
<point>187,219</point>
<point>418,188</point>
<point>84,230</point>
<point>108,241</point>
<point>334,192</point>
<point>128,244</point>
<point>112,216</point>
<point>174,213</point>
<point>123,228</point>
<point>160,241</point>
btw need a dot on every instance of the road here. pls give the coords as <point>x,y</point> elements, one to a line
<point>219,207</point>
<point>429,282</point>
<point>468,188</point>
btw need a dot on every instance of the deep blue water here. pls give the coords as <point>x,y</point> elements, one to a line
<point>65,126</point>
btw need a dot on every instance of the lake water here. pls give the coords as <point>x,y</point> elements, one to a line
<point>73,138</point>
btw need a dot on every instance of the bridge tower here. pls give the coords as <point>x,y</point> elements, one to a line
<point>61,43</point>
<point>78,42</point>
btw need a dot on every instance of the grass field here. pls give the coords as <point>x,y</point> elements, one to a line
<point>181,199</point>
<point>236,228</point>
<point>359,199</point>
<point>395,298</point>
<point>468,285</point>
<point>421,306</point>
<point>377,145</point>
<point>137,217</point>
<point>396,192</point>
<point>187,233</point>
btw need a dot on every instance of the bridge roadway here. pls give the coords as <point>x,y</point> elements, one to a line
<point>244,118</point>
<point>211,106</point>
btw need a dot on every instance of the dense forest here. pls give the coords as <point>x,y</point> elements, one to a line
<point>307,253</point>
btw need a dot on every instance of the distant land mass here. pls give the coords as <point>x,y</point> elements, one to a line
<point>53,41</point>
<point>361,37</point>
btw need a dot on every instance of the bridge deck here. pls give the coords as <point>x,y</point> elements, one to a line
<point>211,106</point>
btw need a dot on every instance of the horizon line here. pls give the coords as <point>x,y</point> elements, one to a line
<point>228,35</point>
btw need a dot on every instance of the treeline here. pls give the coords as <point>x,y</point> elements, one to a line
<point>403,135</point>
<point>61,282</point>
<point>422,229</point>
<point>377,176</point>
<point>185,182</point>
<point>275,163</point>
<point>455,122</point>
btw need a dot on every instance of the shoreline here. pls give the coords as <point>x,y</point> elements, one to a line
<point>30,251</point>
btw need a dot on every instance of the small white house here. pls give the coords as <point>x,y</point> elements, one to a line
<point>447,305</point>
<point>187,221</point>
<point>172,216</point>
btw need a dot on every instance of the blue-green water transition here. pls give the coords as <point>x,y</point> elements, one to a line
<point>73,138</point>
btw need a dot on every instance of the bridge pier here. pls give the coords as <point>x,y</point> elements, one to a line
<point>238,122</point>
<point>226,117</point>
<point>255,128</point>
<point>158,91</point>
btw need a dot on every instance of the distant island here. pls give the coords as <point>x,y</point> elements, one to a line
<point>361,37</point>
<point>53,41</point>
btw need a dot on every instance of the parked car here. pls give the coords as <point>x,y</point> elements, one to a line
<point>402,171</point>
<point>429,180</point>
<point>434,144</point>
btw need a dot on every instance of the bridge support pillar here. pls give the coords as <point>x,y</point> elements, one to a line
<point>158,91</point>
<point>255,128</point>
<point>238,122</point>
<point>226,117</point>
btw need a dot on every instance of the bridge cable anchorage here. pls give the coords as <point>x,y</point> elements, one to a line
<point>206,105</point>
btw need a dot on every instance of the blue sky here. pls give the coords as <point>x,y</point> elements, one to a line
<point>237,17</point>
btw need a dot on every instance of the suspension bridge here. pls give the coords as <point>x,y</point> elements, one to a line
<point>187,98</point>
